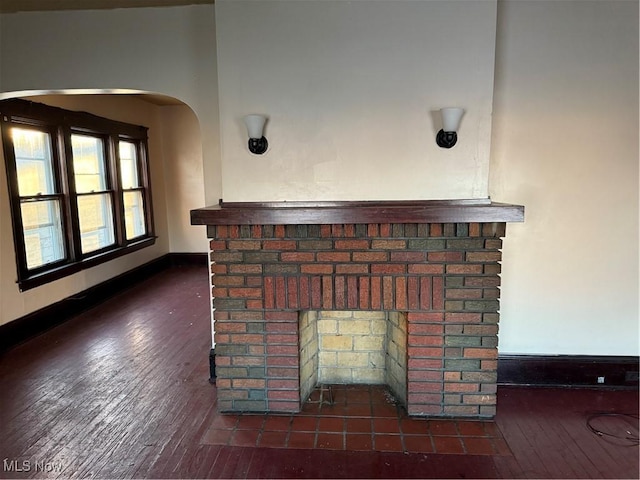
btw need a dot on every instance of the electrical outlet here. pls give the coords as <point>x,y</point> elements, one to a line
<point>600,379</point>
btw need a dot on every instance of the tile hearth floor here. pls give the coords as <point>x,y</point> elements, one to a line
<point>361,418</point>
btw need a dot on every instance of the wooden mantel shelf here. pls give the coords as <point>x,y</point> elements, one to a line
<point>347,212</point>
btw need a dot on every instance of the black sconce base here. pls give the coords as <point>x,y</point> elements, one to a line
<point>446,139</point>
<point>258,145</point>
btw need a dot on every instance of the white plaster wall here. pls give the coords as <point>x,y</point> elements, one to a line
<point>565,145</point>
<point>168,50</point>
<point>350,88</point>
<point>182,153</point>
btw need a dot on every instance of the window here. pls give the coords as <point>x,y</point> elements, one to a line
<point>79,189</point>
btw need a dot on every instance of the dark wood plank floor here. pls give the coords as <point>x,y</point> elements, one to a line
<point>122,391</point>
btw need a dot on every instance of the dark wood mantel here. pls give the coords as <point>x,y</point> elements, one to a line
<point>318,213</point>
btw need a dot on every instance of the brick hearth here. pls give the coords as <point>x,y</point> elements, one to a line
<point>444,277</point>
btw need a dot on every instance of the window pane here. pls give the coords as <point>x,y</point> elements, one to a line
<point>134,215</point>
<point>42,231</point>
<point>34,162</point>
<point>129,165</point>
<point>96,222</point>
<point>88,164</point>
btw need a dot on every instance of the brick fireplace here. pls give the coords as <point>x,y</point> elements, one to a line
<point>400,293</point>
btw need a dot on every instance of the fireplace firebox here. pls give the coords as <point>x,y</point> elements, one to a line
<point>419,281</point>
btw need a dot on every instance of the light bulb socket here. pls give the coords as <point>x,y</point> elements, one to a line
<point>446,139</point>
<point>258,146</point>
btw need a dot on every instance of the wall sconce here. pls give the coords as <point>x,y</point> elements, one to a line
<point>447,137</point>
<point>255,126</point>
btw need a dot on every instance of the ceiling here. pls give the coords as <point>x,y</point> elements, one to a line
<point>10,6</point>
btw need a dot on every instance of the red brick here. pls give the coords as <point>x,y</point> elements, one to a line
<point>254,281</point>
<point>222,231</point>
<point>281,339</point>
<point>425,293</point>
<point>327,292</point>
<point>351,268</point>
<point>463,269</point>
<point>463,293</point>
<point>426,269</point>
<point>445,256</point>
<point>223,361</point>
<point>424,398</point>
<point>245,292</point>
<point>435,230</point>
<point>283,384</point>
<point>325,231</point>
<point>282,350</point>
<point>218,269</point>
<point>244,245</point>
<point>438,293</point>
<point>304,293</point>
<point>254,304</point>
<point>418,387</point>
<point>284,406</point>
<point>283,395</point>
<point>333,256</point>
<point>223,382</point>
<point>219,292</point>
<point>254,338</point>
<point>489,353</point>
<point>282,361</point>
<point>297,256</point>
<point>248,383</point>
<point>256,231</point>
<point>269,293</point>
<point>352,292</point>
<point>425,363</point>
<point>317,268</point>
<point>388,268</point>
<point>425,317</point>
<point>256,349</point>
<point>352,244</point>
<point>388,244</point>
<point>373,230</point>
<point>281,316</point>
<point>217,245</point>
<point>282,327</point>
<point>474,230</point>
<point>484,256</point>
<point>461,387</point>
<point>424,340</point>
<point>425,328</point>
<point>370,256</point>
<point>387,293</point>
<point>248,361</point>
<point>282,372</point>
<point>231,327</point>
<point>292,292</point>
<point>350,230</point>
<point>376,291</point>
<point>452,376</point>
<point>340,292</point>
<point>401,293</point>
<point>279,245</point>
<point>428,376</point>
<point>385,229</point>
<point>364,292</point>
<point>489,365</point>
<point>337,230</point>
<point>316,292</point>
<point>234,231</point>
<point>416,352</point>
<point>458,317</point>
<point>245,268</point>
<point>281,293</point>
<point>408,257</point>
<point>279,231</point>
<point>412,293</point>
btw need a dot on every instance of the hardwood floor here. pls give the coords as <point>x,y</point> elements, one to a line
<point>122,391</point>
